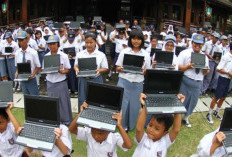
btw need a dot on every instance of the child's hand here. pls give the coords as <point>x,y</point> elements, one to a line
<point>58,133</point>
<point>220,136</point>
<point>154,62</point>
<point>119,68</point>
<point>144,71</point>
<point>83,106</point>
<point>19,130</point>
<point>118,117</point>
<point>97,71</point>
<point>181,97</point>
<point>10,106</point>
<point>142,97</point>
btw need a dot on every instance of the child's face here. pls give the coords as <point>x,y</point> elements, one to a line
<point>155,130</point>
<point>136,42</point>
<point>169,46</point>
<point>3,124</point>
<point>99,135</point>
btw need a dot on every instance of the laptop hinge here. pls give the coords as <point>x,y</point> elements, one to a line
<point>101,108</point>
<point>43,124</point>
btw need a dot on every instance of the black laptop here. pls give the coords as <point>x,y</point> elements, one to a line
<point>164,59</point>
<point>133,64</point>
<point>46,37</point>
<point>87,67</point>
<point>42,117</point>
<point>51,64</point>
<point>217,55</point>
<point>103,100</point>
<point>153,51</point>
<point>226,128</point>
<point>8,50</point>
<point>161,88</point>
<point>179,49</point>
<point>24,71</point>
<point>6,93</point>
<point>70,50</point>
<point>199,60</point>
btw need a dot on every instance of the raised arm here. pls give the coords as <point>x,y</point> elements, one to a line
<point>12,118</point>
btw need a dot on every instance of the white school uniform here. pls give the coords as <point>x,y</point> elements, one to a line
<point>64,62</point>
<point>13,44</point>
<point>226,64</point>
<point>107,148</point>
<point>129,76</point>
<point>41,42</point>
<point>184,58</point>
<point>105,35</point>
<point>224,49</point>
<point>208,45</point>
<point>32,43</point>
<point>66,139</point>
<point>68,45</point>
<point>78,40</point>
<point>148,148</point>
<point>119,44</point>
<point>7,141</point>
<point>62,40</point>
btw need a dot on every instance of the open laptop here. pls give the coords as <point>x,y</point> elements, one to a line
<point>153,51</point>
<point>42,117</point>
<point>133,64</point>
<point>103,100</point>
<point>8,51</point>
<point>51,64</point>
<point>24,71</point>
<point>70,50</point>
<point>199,60</point>
<point>226,128</point>
<point>161,88</point>
<point>217,54</point>
<point>46,37</point>
<point>6,93</point>
<point>164,59</point>
<point>87,67</point>
<point>179,49</point>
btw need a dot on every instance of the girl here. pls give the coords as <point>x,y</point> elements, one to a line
<point>132,83</point>
<point>103,37</point>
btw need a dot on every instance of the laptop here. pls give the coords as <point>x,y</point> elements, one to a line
<point>8,50</point>
<point>51,64</point>
<point>87,67</point>
<point>226,128</point>
<point>103,100</point>
<point>217,54</point>
<point>164,59</point>
<point>161,88</point>
<point>179,49</point>
<point>42,116</point>
<point>71,51</point>
<point>46,37</point>
<point>153,51</point>
<point>199,61</point>
<point>24,71</point>
<point>133,64</point>
<point>6,93</point>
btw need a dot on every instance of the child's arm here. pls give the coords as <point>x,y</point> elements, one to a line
<point>217,142</point>
<point>14,121</point>
<point>141,120</point>
<point>63,148</point>
<point>126,139</point>
<point>177,122</point>
<point>73,126</point>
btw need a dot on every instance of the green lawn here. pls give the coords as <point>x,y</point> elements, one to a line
<point>184,146</point>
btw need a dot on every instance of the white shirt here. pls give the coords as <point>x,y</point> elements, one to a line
<point>7,141</point>
<point>107,148</point>
<point>66,139</point>
<point>68,45</point>
<point>78,40</point>
<point>208,46</point>
<point>64,62</point>
<point>32,43</point>
<point>13,44</point>
<point>119,44</point>
<point>226,64</point>
<point>41,42</point>
<point>31,57</point>
<point>224,49</point>
<point>62,40</point>
<point>148,148</point>
<point>105,35</point>
<point>129,76</point>
<point>184,58</point>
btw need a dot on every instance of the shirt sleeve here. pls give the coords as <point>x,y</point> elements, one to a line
<point>82,133</point>
<point>120,141</point>
<point>168,140</point>
<point>66,62</point>
<point>36,60</point>
<point>104,63</point>
<point>222,63</point>
<point>120,59</point>
<point>66,138</point>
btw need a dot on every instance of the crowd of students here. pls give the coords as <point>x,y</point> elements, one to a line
<point>29,46</point>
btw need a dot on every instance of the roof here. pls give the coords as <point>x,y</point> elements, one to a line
<point>225,3</point>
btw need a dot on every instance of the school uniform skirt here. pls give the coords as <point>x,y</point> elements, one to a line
<point>116,58</point>
<point>60,90</point>
<point>82,82</point>
<point>11,68</point>
<point>191,89</point>
<point>130,103</point>
<point>41,56</point>
<point>112,50</point>
<point>222,87</point>
<point>103,48</point>
<point>3,68</point>
<point>72,79</point>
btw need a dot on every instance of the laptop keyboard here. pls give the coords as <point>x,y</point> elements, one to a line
<point>98,115</point>
<point>228,141</point>
<point>132,68</point>
<point>91,72</point>
<point>51,69</point>
<point>162,101</point>
<point>23,76</point>
<point>163,65</point>
<point>38,132</point>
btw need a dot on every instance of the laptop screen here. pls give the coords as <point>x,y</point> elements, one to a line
<point>42,109</point>
<point>198,59</point>
<point>24,68</point>
<point>87,63</point>
<point>226,124</point>
<point>217,54</point>
<point>6,91</point>
<point>103,95</point>
<point>8,49</point>
<point>52,61</point>
<point>153,51</point>
<point>164,57</point>
<point>133,60</point>
<point>179,49</point>
<point>70,50</point>
<point>162,81</point>
<point>46,37</point>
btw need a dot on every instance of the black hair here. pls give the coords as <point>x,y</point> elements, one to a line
<point>154,37</point>
<point>29,31</point>
<point>167,119</point>
<point>91,35</point>
<point>3,113</point>
<point>136,34</point>
<point>230,46</point>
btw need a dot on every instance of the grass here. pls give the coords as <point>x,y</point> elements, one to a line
<point>184,146</point>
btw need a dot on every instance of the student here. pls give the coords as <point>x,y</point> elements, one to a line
<point>102,65</point>
<point>56,82</point>
<point>27,55</point>
<point>31,42</point>
<point>63,36</point>
<point>158,138</point>
<point>132,83</point>
<point>41,43</point>
<point>103,37</point>
<point>153,44</point>
<point>192,78</point>
<point>224,69</point>
<point>101,143</point>
<point>224,47</point>
<point>9,129</point>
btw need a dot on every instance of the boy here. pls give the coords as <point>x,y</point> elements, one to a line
<point>102,143</point>
<point>156,141</point>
